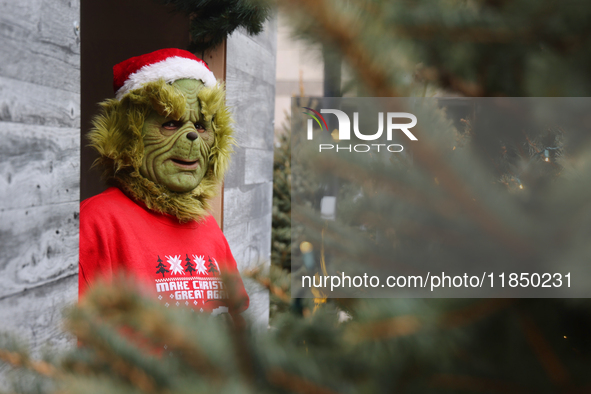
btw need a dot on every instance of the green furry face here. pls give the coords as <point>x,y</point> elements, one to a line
<point>138,145</point>
<point>176,151</point>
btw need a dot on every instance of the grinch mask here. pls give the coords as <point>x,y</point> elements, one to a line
<point>167,145</point>
<point>176,151</point>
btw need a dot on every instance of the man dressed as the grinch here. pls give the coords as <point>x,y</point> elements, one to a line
<point>164,143</point>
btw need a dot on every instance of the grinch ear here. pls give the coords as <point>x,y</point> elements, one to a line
<point>213,106</point>
<point>116,134</point>
<point>107,138</point>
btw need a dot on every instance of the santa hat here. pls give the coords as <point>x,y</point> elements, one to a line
<point>168,64</point>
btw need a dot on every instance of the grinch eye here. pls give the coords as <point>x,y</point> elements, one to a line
<point>172,125</point>
<point>200,127</point>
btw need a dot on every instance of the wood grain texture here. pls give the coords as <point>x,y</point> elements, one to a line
<point>258,166</point>
<point>258,310</point>
<point>217,206</point>
<point>247,203</point>
<point>250,83</point>
<point>216,60</point>
<point>24,102</point>
<point>39,245</point>
<point>235,175</point>
<point>268,37</point>
<point>19,18</point>
<point>248,55</point>
<point>35,316</point>
<point>253,108</point>
<point>251,241</point>
<point>250,86</point>
<point>40,43</point>
<point>39,165</point>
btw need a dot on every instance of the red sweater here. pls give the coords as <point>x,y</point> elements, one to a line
<point>181,263</point>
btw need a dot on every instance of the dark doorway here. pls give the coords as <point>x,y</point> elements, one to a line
<point>112,31</point>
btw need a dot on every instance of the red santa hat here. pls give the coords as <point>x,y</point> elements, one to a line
<point>168,64</point>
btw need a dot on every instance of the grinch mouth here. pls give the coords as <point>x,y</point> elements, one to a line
<point>185,164</point>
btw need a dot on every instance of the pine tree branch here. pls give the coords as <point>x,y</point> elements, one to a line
<point>409,324</point>
<point>342,32</point>
<point>19,360</point>
<point>475,384</point>
<point>148,327</point>
<point>90,335</point>
<point>348,170</point>
<point>293,383</point>
<point>447,80</point>
<point>470,34</point>
<point>386,329</point>
<point>266,282</point>
<point>430,159</point>
<point>554,368</point>
<point>473,312</point>
<point>242,346</point>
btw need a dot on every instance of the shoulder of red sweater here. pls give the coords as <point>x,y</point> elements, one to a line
<point>111,200</point>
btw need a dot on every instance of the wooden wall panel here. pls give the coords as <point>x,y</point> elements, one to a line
<point>29,103</point>
<point>39,166</point>
<point>36,314</point>
<point>248,188</point>
<point>39,245</point>
<point>40,42</point>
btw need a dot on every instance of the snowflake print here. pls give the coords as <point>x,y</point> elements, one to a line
<point>200,261</point>
<point>175,265</point>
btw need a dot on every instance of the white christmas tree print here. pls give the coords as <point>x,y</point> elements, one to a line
<point>200,262</point>
<point>175,264</point>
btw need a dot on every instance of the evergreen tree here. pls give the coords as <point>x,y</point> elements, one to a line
<point>470,48</point>
<point>213,21</point>
<point>161,267</point>
<point>281,231</point>
<point>211,268</point>
<point>474,47</point>
<point>189,266</point>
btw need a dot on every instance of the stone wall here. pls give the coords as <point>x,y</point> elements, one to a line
<point>248,188</point>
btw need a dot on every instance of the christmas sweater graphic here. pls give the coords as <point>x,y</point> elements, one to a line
<point>181,264</point>
<point>193,281</point>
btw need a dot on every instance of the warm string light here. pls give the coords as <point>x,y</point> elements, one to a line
<point>306,247</point>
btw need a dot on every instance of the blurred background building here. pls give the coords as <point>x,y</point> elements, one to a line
<point>300,71</point>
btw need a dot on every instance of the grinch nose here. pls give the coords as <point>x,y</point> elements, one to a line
<point>192,136</point>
